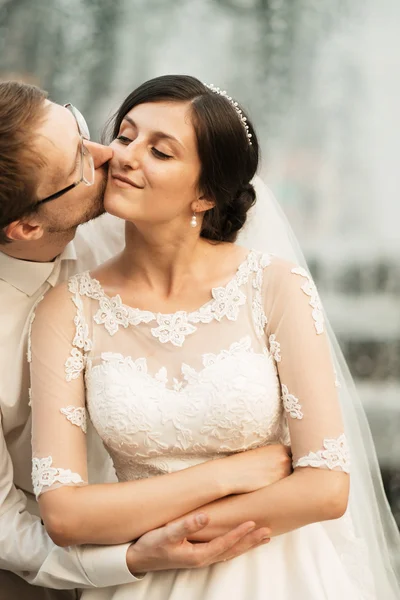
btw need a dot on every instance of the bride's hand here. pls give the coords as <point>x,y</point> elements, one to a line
<point>254,469</point>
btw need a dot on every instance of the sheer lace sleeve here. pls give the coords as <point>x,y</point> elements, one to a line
<point>58,342</point>
<point>300,347</point>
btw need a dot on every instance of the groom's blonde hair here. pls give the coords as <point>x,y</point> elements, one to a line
<point>21,110</point>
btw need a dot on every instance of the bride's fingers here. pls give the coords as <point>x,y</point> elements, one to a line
<point>179,530</point>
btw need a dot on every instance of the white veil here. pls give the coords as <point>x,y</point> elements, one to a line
<point>268,230</point>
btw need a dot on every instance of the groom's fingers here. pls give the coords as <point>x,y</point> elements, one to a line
<point>208,553</point>
<point>179,530</point>
<point>249,541</point>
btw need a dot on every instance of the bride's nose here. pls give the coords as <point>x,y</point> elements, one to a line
<point>132,157</point>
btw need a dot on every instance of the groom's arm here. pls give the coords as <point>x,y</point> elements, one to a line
<point>27,550</point>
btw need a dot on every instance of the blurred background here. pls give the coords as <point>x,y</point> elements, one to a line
<point>321,82</point>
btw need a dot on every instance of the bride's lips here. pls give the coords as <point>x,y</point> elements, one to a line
<point>125,182</point>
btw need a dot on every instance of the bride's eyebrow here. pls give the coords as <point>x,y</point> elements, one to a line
<point>130,121</point>
<point>160,135</point>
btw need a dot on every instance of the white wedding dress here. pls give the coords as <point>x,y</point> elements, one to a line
<point>250,367</point>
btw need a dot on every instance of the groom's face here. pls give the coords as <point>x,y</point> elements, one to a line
<point>58,143</point>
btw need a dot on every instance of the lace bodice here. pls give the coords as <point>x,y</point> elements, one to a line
<point>164,391</point>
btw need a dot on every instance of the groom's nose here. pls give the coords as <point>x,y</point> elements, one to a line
<point>101,154</point>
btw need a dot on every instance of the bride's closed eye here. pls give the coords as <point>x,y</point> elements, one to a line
<point>157,153</point>
<point>160,155</point>
<point>123,139</point>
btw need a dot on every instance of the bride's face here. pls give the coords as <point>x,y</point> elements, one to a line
<point>154,173</point>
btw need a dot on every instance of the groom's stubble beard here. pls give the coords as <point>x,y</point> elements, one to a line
<point>96,209</point>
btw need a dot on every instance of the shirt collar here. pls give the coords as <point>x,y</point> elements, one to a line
<point>28,276</point>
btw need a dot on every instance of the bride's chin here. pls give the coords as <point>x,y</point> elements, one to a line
<point>114,206</point>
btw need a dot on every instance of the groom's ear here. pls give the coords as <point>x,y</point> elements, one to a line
<point>26,230</point>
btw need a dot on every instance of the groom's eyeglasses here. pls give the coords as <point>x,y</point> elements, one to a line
<point>86,159</point>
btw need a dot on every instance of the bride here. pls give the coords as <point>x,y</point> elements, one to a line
<point>186,350</point>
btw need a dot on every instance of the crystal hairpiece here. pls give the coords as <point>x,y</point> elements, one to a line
<point>235,105</point>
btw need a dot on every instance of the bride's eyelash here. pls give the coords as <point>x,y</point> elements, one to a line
<point>159,154</point>
<point>123,139</point>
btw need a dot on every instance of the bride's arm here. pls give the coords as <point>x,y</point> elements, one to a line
<point>74,512</point>
<point>306,496</point>
<point>319,486</point>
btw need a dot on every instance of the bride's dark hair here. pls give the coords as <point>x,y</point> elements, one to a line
<point>228,161</point>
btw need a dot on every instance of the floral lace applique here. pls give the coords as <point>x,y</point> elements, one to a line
<point>81,339</point>
<point>315,302</point>
<point>76,415</point>
<point>191,375</point>
<point>113,313</point>
<point>275,348</point>
<point>174,328</point>
<point>162,376</point>
<point>243,345</point>
<point>108,384</point>
<point>227,302</point>
<point>139,365</point>
<point>44,475</point>
<point>255,264</point>
<point>334,455</point>
<point>227,421</point>
<point>179,409</point>
<point>259,317</point>
<point>75,364</point>
<point>291,404</point>
<point>84,285</point>
<point>230,402</point>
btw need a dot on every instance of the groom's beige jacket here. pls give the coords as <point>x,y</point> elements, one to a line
<point>25,547</point>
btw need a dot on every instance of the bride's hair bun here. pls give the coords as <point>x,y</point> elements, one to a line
<point>244,200</point>
<point>225,224</point>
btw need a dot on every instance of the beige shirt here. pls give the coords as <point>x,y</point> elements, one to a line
<point>25,547</point>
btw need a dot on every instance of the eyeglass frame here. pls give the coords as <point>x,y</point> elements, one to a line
<point>84,151</point>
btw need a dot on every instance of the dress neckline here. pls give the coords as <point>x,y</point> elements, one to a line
<point>216,292</point>
<point>174,328</point>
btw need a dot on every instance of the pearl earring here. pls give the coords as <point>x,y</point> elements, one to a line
<point>193,220</point>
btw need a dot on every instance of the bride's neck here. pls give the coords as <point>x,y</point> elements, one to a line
<point>161,258</point>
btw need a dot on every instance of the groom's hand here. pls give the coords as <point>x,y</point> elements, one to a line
<point>168,547</point>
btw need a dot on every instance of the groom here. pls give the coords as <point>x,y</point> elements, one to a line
<point>52,179</point>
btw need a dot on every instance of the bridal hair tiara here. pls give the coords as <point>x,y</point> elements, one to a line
<point>235,105</point>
